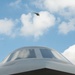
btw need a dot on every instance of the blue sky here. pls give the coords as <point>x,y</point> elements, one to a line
<point>19,26</point>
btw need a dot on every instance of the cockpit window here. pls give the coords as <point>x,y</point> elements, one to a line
<point>47,53</point>
<point>21,54</point>
<point>44,53</point>
<point>29,53</point>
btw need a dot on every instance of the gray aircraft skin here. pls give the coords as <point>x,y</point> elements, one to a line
<point>36,60</point>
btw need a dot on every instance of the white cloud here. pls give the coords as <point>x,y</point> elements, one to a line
<point>70,53</point>
<point>66,27</point>
<point>36,26</point>
<point>67,13</point>
<point>63,9</point>
<point>16,3</point>
<point>6,26</point>
<point>55,5</point>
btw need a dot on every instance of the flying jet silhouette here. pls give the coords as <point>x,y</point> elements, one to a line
<point>37,14</point>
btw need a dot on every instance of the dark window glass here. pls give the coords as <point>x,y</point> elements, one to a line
<point>46,53</point>
<point>32,54</point>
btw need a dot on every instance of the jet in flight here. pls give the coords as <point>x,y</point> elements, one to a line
<point>37,14</point>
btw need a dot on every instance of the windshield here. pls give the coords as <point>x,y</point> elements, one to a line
<point>24,53</point>
<point>47,53</point>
